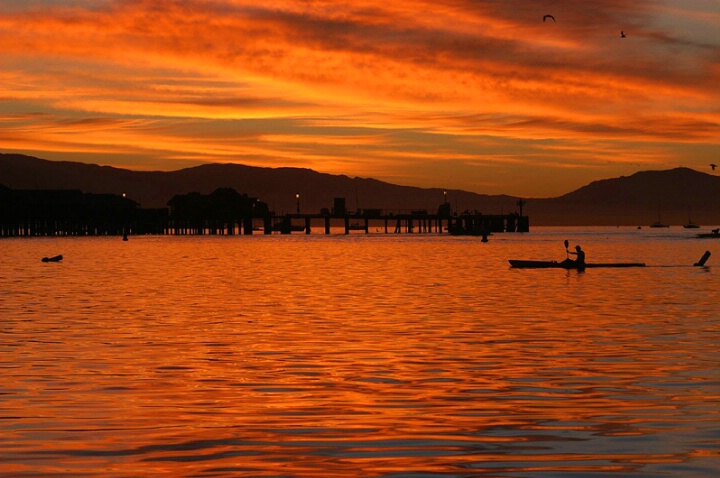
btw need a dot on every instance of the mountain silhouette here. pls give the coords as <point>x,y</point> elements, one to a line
<point>675,196</point>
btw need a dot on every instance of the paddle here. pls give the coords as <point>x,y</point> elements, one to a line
<point>567,253</point>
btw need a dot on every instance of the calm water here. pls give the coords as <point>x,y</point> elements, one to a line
<point>373,356</point>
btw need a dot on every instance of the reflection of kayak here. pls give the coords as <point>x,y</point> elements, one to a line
<point>567,264</point>
<point>57,258</point>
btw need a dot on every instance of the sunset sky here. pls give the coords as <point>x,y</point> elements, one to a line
<point>469,94</point>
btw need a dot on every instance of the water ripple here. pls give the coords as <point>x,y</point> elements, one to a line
<point>385,356</point>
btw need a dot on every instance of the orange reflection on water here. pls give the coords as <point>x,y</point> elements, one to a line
<point>351,356</point>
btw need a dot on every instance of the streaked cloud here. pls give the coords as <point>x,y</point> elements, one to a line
<point>475,95</point>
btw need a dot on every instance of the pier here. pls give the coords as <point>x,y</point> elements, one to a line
<point>391,223</point>
<point>224,212</point>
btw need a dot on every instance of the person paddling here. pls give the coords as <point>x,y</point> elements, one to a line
<point>580,261</point>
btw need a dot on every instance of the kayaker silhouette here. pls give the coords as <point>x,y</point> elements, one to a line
<point>580,261</point>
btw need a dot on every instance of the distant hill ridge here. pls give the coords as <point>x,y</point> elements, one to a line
<point>674,196</point>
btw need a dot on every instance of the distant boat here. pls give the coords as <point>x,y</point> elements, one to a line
<point>714,234</point>
<point>690,224</point>
<point>659,223</point>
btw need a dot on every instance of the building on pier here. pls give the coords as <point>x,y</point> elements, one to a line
<point>224,211</point>
<point>64,213</point>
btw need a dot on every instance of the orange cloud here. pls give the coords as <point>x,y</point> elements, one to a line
<point>388,89</point>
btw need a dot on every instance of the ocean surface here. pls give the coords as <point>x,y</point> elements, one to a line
<point>380,355</point>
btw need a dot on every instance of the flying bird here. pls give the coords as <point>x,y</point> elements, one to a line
<point>713,166</point>
<point>622,34</point>
<point>548,16</point>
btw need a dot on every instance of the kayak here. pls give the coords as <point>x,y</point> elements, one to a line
<point>567,264</point>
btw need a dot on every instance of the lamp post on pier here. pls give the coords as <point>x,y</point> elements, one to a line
<point>125,218</point>
<point>297,199</point>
